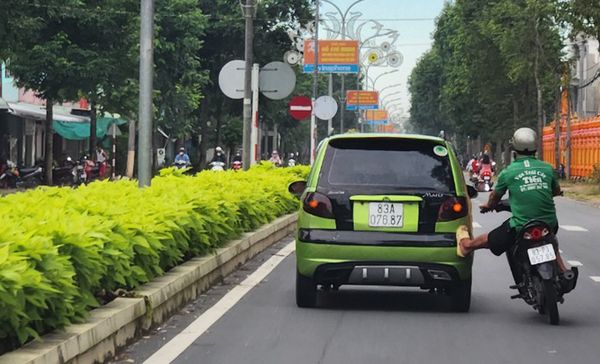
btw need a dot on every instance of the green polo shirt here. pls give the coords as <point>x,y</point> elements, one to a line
<point>530,184</point>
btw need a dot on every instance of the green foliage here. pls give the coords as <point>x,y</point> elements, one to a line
<point>479,78</point>
<point>62,249</point>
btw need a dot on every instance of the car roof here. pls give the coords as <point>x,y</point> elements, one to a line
<point>387,135</point>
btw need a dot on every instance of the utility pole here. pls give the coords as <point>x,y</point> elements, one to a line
<point>313,120</point>
<point>248,10</point>
<point>145,106</point>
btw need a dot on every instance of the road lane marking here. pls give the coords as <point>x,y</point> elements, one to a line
<point>573,228</point>
<point>477,225</point>
<point>171,350</point>
<point>574,263</point>
<point>595,279</point>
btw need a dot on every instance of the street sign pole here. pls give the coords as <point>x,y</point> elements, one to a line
<point>313,120</point>
<point>145,102</point>
<point>248,52</point>
<point>254,134</point>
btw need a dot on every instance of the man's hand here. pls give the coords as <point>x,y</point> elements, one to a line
<point>485,208</point>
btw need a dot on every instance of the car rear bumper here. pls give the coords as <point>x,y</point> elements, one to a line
<point>416,274</point>
<point>310,256</point>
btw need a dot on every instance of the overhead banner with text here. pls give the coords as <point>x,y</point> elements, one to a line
<point>376,117</point>
<point>335,56</point>
<point>362,100</point>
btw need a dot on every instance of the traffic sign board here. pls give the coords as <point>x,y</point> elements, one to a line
<point>300,107</point>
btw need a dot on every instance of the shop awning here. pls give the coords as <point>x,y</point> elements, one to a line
<point>68,126</point>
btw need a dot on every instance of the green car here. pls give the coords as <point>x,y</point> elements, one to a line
<point>383,209</point>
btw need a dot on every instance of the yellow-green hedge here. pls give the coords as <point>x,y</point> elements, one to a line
<point>61,248</point>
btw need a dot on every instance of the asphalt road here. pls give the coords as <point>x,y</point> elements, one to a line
<point>397,325</point>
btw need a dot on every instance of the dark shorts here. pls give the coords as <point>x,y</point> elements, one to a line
<point>503,237</point>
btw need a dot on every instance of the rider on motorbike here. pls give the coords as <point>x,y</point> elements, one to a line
<point>182,157</point>
<point>532,185</point>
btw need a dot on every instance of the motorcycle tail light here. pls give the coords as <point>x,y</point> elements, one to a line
<point>453,208</point>
<point>318,204</point>
<point>535,233</point>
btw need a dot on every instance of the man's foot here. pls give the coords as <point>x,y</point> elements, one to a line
<point>462,236</point>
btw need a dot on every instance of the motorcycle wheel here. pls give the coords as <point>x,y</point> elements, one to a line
<point>550,304</point>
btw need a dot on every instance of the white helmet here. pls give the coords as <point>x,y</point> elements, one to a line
<point>219,149</point>
<point>524,140</point>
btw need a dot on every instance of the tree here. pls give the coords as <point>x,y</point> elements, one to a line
<point>42,56</point>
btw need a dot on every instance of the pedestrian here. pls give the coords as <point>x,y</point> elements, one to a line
<point>101,159</point>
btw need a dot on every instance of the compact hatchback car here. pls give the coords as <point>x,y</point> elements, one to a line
<point>381,209</point>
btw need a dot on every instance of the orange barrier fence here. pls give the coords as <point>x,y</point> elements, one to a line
<point>585,145</point>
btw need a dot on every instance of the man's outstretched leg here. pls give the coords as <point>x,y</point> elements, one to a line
<point>466,245</point>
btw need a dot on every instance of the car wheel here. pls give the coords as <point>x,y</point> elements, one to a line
<point>460,295</point>
<point>306,291</point>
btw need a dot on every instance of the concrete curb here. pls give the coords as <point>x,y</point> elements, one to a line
<point>117,323</point>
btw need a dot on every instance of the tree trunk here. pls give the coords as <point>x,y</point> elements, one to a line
<point>131,149</point>
<point>204,132</point>
<point>568,138</point>
<point>538,87</point>
<point>49,140</point>
<point>93,122</point>
<point>557,122</point>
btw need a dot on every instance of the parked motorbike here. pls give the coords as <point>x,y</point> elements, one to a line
<point>532,261</point>
<point>217,166</point>
<point>65,174</point>
<point>14,177</point>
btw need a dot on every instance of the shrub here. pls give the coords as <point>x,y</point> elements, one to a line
<point>62,249</point>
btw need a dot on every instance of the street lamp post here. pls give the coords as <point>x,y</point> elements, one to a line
<point>344,17</point>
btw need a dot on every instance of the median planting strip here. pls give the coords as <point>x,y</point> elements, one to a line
<point>64,252</point>
<point>119,322</point>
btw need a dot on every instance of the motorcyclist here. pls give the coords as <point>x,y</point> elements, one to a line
<point>485,165</point>
<point>275,159</point>
<point>237,157</point>
<point>219,155</point>
<point>182,157</point>
<point>531,184</point>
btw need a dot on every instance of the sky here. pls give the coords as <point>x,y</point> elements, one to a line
<point>415,22</point>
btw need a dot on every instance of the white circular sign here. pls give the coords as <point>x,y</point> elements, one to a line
<point>231,79</point>
<point>325,107</point>
<point>277,80</point>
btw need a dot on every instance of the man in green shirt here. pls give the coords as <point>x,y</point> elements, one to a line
<point>531,185</point>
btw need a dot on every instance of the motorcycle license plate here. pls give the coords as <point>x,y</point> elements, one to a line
<point>386,214</point>
<point>541,254</point>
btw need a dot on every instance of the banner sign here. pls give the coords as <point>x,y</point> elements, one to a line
<point>362,100</point>
<point>335,56</point>
<point>377,116</point>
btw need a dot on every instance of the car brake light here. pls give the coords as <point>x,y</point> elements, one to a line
<point>318,204</point>
<point>535,233</point>
<point>453,208</point>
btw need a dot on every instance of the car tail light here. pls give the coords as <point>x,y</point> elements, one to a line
<point>453,208</point>
<point>318,204</point>
<point>535,233</point>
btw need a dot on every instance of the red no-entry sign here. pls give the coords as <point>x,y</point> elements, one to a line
<point>300,107</point>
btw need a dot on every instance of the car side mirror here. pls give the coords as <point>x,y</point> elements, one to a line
<point>471,191</point>
<point>297,188</point>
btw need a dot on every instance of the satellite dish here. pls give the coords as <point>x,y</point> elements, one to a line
<point>395,59</point>
<point>386,46</point>
<point>291,57</point>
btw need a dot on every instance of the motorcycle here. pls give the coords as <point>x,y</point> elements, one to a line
<point>532,261</point>
<point>236,165</point>
<point>217,166</point>
<point>291,161</point>
<point>14,177</point>
<point>66,174</point>
<point>484,181</point>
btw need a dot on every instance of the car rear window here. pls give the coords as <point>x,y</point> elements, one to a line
<point>387,165</point>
